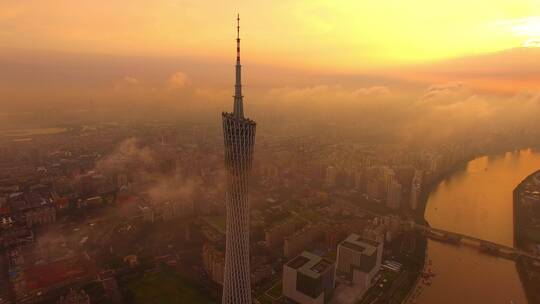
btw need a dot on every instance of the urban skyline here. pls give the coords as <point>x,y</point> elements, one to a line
<point>397,156</point>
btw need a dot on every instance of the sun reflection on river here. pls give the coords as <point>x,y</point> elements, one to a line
<point>477,201</point>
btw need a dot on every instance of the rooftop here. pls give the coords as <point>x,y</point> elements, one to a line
<point>298,262</point>
<point>321,266</point>
<point>310,264</point>
<point>356,243</point>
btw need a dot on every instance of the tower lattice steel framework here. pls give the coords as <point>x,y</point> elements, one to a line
<point>239,136</point>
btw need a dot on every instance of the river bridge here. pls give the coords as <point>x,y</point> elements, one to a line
<point>484,245</point>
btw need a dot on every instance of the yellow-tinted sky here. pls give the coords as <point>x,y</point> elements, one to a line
<point>335,35</point>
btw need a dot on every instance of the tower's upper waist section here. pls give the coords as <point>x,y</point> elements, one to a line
<point>232,116</point>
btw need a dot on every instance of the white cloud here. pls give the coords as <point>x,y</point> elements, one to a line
<point>327,93</point>
<point>443,93</point>
<point>126,83</point>
<point>179,80</point>
<point>532,42</point>
<point>528,27</point>
<point>450,111</point>
<point>130,80</point>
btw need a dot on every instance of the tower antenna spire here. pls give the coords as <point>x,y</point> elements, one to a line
<point>238,39</point>
<point>238,98</point>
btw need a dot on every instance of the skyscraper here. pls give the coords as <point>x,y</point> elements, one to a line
<point>393,197</point>
<point>239,135</point>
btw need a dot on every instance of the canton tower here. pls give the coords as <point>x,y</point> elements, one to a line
<point>239,136</point>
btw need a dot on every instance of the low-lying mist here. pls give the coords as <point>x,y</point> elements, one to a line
<point>391,105</point>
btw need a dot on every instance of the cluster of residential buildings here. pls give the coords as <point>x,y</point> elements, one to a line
<point>307,195</point>
<point>395,182</point>
<point>309,278</point>
<point>57,194</point>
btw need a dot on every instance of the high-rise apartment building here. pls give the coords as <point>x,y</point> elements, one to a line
<point>393,197</point>
<point>416,188</point>
<point>358,261</point>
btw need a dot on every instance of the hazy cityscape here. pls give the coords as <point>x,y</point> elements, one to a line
<point>377,180</point>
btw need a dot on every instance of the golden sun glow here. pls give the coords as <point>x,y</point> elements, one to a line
<point>341,34</point>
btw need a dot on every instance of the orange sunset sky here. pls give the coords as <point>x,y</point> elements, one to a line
<point>337,35</point>
<point>79,50</point>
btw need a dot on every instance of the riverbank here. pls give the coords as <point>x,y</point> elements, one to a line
<point>427,189</point>
<point>419,217</point>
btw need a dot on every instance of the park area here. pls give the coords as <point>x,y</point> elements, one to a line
<point>165,287</point>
